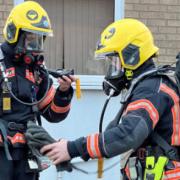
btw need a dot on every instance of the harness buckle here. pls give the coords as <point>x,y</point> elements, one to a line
<point>172,154</point>
<point>141,153</point>
<point>16,126</point>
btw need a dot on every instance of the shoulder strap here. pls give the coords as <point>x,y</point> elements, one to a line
<point>5,140</point>
<point>160,71</point>
<point>169,151</point>
<point>1,64</point>
<point>135,81</point>
<point>177,72</point>
<point>1,54</point>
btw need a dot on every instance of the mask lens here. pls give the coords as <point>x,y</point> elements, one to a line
<point>34,42</point>
<point>113,66</point>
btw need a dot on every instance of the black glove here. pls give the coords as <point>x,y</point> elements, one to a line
<point>37,137</point>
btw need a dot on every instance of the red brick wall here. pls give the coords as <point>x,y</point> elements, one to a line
<point>163,18</point>
<point>5,8</point>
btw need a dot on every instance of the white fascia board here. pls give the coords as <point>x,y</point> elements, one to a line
<point>119,10</point>
<point>91,82</point>
<point>16,2</point>
<point>88,82</point>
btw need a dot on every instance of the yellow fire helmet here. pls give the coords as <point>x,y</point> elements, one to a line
<point>128,38</point>
<point>28,16</point>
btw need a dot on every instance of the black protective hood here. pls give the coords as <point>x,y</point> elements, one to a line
<point>148,65</point>
<point>8,49</point>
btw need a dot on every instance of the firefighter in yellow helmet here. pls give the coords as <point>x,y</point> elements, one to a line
<point>146,129</point>
<point>26,89</point>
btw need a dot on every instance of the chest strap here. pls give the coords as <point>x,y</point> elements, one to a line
<point>5,140</point>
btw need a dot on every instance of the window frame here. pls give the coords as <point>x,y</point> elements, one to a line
<point>95,81</point>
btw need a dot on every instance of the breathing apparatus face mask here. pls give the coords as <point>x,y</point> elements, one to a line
<point>30,46</point>
<point>115,78</point>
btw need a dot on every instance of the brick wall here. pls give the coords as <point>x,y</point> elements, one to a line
<point>163,19</point>
<point>5,8</point>
<point>161,16</point>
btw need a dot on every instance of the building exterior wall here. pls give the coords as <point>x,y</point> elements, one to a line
<point>164,24</point>
<point>5,7</point>
<point>77,25</point>
<point>163,18</point>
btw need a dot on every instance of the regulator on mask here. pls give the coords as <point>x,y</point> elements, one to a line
<point>29,48</point>
<point>117,84</point>
<point>115,78</point>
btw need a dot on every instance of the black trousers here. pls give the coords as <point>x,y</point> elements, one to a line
<point>14,170</point>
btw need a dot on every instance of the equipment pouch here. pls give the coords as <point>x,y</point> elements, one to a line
<point>154,169</point>
<point>37,162</point>
<point>33,165</point>
<point>6,99</point>
<point>134,168</point>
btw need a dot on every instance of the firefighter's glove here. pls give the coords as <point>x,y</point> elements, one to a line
<point>37,136</point>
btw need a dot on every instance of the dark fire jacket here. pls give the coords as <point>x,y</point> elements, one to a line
<point>54,107</point>
<point>153,106</point>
